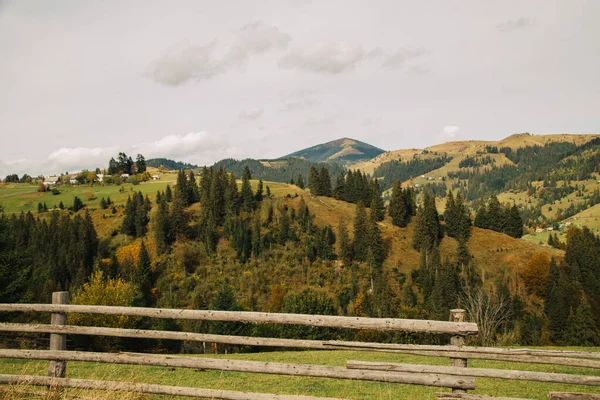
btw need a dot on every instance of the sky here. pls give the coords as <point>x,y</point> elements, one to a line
<point>199,81</point>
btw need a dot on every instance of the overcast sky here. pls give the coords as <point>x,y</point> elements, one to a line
<point>203,80</point>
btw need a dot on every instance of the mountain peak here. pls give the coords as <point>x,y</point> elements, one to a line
<point>345,150</point>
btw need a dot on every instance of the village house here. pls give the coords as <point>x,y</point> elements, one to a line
<point>124,175</point>
<point>51,180</point>
<point>155,177</point>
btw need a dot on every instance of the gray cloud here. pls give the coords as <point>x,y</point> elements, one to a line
<point>512,25</point>
<point>401,57</point>
<point>184,62</point>
<point>252,114</point>
<point>324,57</point>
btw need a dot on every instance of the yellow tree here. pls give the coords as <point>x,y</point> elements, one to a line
<point>536,273</point>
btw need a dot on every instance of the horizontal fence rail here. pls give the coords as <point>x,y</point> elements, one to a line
<point>31,380</point>
<point>560,357</point>
<point>317,371</point>
<point>327,321</point>
<point>479,372</point>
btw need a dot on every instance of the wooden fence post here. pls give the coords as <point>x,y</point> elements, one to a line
<point>58,341</point>
<point>458,315</point>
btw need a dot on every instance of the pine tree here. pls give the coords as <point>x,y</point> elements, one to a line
<point>193,192</point>
<point>361,238</point>
<point>179,218</point>
<point>284,226</point>
<point>259,191</point>
<point>162,228</point>
<point>324,183</point>
<point>428,231</point>
<point>77,204</point>
<point>377,200</point>
<point>140,164</point>
<point>398,209</point>
<point>168,194</point>
<point>340,183</point>
<point>409,298</point>
<point>143,276</point>
<point>61,205</point>
<point>313,181</point>
<point>181,189</point>
<point>128,226</point>
<point>300,181</point>
<point>256,237</point>
<point>247,197</point>
<point>581,328</point>
<point>514,222</point>
<point>345,245</point>
<point>268,192</point>
<point>375,241</point>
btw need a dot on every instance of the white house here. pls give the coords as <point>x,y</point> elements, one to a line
<point>539,230</point>
<point>100,177</point>
<point>124,175</point>
<point>155,177</point>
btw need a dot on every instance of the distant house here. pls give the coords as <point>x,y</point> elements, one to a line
<point>569,223</point>
<point>550,229</point>
<point>51,180</point>
<point>100,177</point>
<point>539,230</point>
<point>124,175</point>
<point>155,177</point>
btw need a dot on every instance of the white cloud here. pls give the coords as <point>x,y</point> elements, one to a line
<point>298,99</point>
<point>512,25</point>
<point>324,57</point>
<point>451,130</point>
<point>185,62</point>
<point>195,147</point>
<point>400,57</point>
<point>252,114</point>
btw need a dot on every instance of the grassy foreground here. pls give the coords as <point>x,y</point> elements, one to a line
<point>297,385</point>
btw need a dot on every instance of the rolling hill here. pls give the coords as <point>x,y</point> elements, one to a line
<point>345,151</point>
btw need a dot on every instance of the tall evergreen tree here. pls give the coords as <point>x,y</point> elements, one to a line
<point>247,197</point>
<point>300,181</point>
<point>377,200</point>
<point>345,244</point>
<point>398,208</point>
<point>324,184</point>
<point>314,181</point>
<point>361,238</point>
<point>143,276</point>
<point>259,191</point>
<point>428,231</point>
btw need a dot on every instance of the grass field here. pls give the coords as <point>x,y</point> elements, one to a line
<point>310,386</point>
<point>16,198</point>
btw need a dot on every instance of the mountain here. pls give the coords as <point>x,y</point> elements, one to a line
<point>344,150</point>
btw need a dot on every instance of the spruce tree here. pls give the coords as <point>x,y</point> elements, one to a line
<point>300,181</point>
<point>581,328</point>
<point>375,241</point>
<point>361,238</point>
<point>338,191</point>
<point>324,186</point>
<point>181,188</point>
<point>168,194</point>
<point>398,209</point>
<point>345,245</point>
<point>313,181</point>
<point>514,222</point>
<point>377,200</point>
<point>256,237</point>
<point>284,226</point>
<point>247,197</point>
<point>259,191</point>
<point>128,226</point>
<point>143,276</point>
<point>162,229</point>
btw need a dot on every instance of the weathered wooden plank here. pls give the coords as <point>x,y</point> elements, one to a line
<point>329,321</point>
<point>58,369</point>
<point>573,396</point>
<point>458,316</point>
<point>147,388</point>
<point>479,372</point>
<point>428,350</point>
<point>464,396</point>
<point>469,349</point>
<point>321,371</point>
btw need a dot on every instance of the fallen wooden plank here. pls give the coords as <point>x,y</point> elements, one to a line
<point>478,372</point>
<point>31,380</point>
<point>321,371</point>
<point>329,321</point>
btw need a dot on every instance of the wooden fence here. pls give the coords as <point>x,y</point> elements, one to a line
<point>457,377</point>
